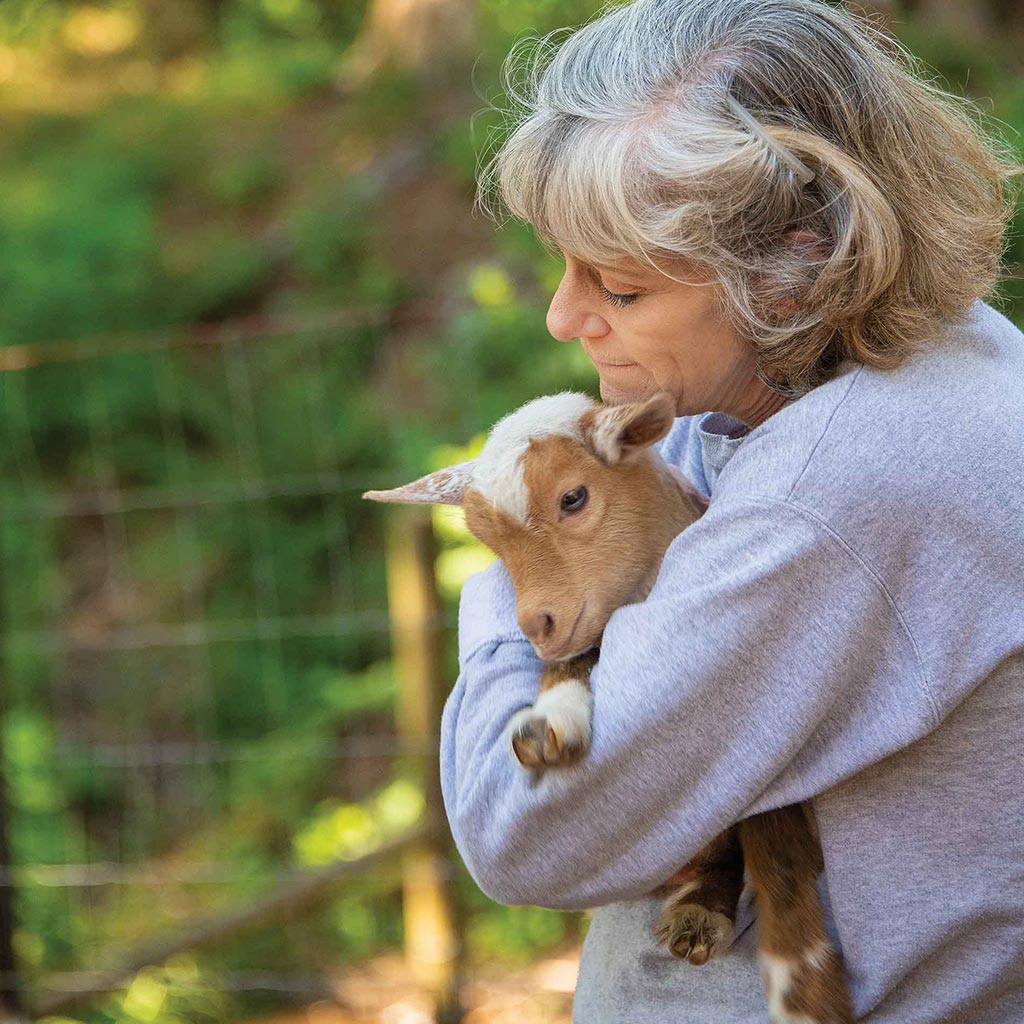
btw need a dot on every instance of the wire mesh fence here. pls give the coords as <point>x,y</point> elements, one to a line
<point>200,743</point>
<point>219,714</point>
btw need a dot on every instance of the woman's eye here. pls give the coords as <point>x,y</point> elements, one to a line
<point>619,300</point>
<point>573,501</point>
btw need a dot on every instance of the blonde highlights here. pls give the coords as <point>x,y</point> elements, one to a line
<point>868,210</point>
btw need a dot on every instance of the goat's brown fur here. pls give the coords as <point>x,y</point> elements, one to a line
<point>566,562</point>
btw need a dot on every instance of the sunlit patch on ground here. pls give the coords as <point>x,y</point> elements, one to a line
<point>381,991</point>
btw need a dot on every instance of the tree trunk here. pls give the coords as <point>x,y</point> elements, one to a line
<point>174,30</point>
<point>10,992</point>
<point>1009,14</point>
<point>416,35</point>
<point>972,18</point>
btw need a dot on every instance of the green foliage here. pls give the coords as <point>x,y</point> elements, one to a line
<point>248,179</point>
<point>332,234</point>
<point>175,993</point>
<point>257,21</point>
<point>252,72</point>
<point>58,235</point>
<point>213,170</point>
<point>506,19</point>
<point>499,347</point>
<point>345,831</point>
<point>961,64</point>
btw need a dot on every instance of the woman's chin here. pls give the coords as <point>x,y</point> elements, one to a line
<point>619,392</point>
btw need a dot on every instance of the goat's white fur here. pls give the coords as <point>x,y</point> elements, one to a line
<point>778,979</point>
<point>608,432</point>
<point>498,470</point>
<point>567,708</point>
<point>443,487</point>
<point>817,956</point>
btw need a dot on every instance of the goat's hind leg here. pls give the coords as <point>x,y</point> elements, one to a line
<point>698,919</point>
<point>802,972</point>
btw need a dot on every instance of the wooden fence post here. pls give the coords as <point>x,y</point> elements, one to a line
<point>10,994</point>
<point>432,944</point>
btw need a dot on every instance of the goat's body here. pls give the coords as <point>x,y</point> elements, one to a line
<point>801,971</point>
<point>574,500</point>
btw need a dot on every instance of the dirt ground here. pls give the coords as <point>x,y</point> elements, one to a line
<point>382,992</point>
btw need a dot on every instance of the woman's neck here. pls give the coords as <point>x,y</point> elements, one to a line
<point>761,404</point>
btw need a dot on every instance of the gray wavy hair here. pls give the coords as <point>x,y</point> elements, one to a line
<point>855,207</point>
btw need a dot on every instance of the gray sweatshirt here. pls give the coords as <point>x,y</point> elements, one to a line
<point>844,625</point>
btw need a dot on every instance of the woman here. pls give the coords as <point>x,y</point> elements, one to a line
<point>764,212</point>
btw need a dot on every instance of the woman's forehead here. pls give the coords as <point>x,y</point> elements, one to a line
<point>611,264</point>
<point>635,269</point>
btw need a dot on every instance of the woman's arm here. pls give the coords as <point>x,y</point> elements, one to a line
<point>767,664</point>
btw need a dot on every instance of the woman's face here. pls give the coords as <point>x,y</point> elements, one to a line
<point>645,333</point>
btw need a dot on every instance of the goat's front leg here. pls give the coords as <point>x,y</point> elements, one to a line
<point>556,730</point>
<point>803,973</point>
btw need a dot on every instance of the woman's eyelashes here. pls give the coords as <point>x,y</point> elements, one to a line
<point>617,299</point>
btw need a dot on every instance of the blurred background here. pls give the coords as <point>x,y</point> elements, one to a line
<point>241,282</point>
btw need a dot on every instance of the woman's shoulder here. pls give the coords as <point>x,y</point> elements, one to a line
<point>936,428</point>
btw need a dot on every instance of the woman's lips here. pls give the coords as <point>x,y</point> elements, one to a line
<point>609,364</point>
<point>603,363</point>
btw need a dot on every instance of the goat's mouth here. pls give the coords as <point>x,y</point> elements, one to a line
<point>570,646</point>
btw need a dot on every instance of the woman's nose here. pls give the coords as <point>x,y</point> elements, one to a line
<point>570,316</point>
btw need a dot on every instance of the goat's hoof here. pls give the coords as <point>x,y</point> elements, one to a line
<point>555,732</point>
<point>537,742</point>
<point>693,933</point>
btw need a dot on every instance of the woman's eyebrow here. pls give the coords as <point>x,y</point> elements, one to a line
<point>637,274</point>
<point>625,274</point>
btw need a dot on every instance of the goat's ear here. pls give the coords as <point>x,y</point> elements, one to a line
<point>620,431</point>
<point>443,487</point>
<point>700,501</point>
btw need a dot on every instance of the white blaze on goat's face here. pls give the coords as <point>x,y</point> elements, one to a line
<point>498,473</point>
<point>580,510</point>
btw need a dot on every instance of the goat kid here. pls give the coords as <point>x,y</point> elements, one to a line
<point>574,499</point>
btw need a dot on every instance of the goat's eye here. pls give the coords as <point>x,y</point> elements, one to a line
<point>573,501</point>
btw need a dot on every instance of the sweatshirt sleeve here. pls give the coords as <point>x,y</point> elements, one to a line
<point>767,664</point>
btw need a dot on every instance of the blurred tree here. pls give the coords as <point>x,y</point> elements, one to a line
<point>174,30</point>
<point>977,18</point>
<point>411,34</point>
<point>1010,15</point>
<point>972,17</point>
<point>10,1001</point>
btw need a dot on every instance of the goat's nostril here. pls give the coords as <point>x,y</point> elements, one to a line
<point>545,624</point>
<point>537,625</point>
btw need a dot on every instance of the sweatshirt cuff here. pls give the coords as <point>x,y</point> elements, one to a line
<point>487,612</point>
